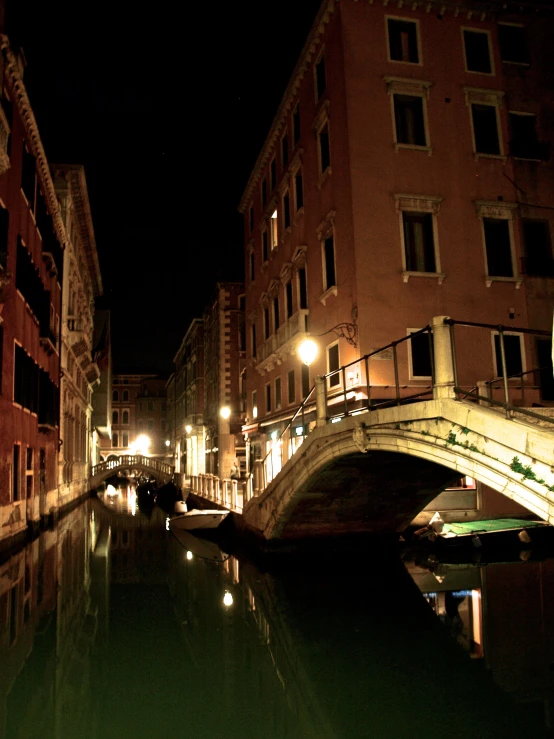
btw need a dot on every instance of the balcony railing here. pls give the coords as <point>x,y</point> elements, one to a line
<point>280,343</point>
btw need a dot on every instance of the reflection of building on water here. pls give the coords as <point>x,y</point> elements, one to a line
<point>47,627</point>
<point>503,613</point>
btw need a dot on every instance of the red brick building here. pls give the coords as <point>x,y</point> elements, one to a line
<point>406,175</point>
<point>31,263</point>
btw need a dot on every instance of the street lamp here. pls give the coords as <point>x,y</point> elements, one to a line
<point>225,412</point>
<point>307,349</point>
<point>142,444</point>
<point>188,428</point>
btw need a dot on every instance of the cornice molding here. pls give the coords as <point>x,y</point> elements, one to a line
<point>21,101</point>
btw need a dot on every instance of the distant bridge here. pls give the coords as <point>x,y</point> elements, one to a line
<point>372,466</point>
<point>155,467</point>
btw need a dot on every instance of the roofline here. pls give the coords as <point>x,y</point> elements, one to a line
<point>23,104</point>
<point>75,174</point>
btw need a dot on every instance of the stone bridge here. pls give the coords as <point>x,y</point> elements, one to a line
<point>155,467</point>
<point>374,469</point>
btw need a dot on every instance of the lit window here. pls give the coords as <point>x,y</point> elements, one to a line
<point>254,404</point>
<point>274,230</point>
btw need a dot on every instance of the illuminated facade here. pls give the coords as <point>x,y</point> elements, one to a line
<point>80,373</point>
<point>31,268</point>
<point>406,175</point>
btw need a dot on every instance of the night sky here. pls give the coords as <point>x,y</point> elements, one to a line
<point>167,105</point>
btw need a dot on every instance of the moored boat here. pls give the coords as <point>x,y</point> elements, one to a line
<point>198,519</point>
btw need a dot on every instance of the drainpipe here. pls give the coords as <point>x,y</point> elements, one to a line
<point>444,368</point>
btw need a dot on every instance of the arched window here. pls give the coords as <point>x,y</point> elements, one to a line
<point>115,395</point>
<point>125,396</point>
<point>115,417</point>
<point>125,417</point>
<point>115,440</point>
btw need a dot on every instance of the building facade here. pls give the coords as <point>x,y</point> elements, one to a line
<point>224,357</point>
<point>187,402</point>
<point>31,269</point>
<point>126,387</point>
<point>80,374</point>
<point>406,175</point>
<point>151,416</point>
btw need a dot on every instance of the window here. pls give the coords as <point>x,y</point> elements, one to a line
<point>286,210</point>
<point>254,404</point>
<point>498,247</point>
<point>251,218</point>
<point>513,43</point>
<point>267,329</point>
<point>125,396</point>
<point>296,126</point>
<point>150,406</point>
<point>324,149</point>
<point>115,440</point>
<point>419,245</point>
<point>268,398</point>
<point>265,247</point>
<point>291,387</point>
<point>253,337</point>
<point>115,417</point>
<point>333,364</point>
<point>486,135</point>
<point>302,289</point>
<point>273,174</point>
<point>305,380</point>
<point>409,120</point>
<point>276,312</point>
<point>16,472</point>
<point>285,151</point>
<point>289,308</point>
<point>115,396</point>
<point>403,45</point>
<point>125,440</point>
<point>277,393</point>
<point>274,230</point>
<point>150,424</point>
<point>264,192</point>
<point>298,190</point>
<point>477,51</point>
<point>420,348</point>
<point>513,353</point>
<point>329,275</point>
<point>537,246</point>
<point>320,80</point>
<point>125,417</point>
<point>524,143</point>
<point>26,380</point>
<point>252,262</point>
<point>4,226</point>
<point>1,353</point>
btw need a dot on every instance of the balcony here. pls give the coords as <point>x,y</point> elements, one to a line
<point>282,343</point>
<point>92,373</point>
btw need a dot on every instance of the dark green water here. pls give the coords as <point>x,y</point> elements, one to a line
<point>110,629</point>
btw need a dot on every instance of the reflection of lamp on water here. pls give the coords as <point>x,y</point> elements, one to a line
<point>227,599</point>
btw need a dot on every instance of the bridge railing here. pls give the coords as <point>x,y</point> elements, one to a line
<point>374,381</point>
<point>128,461</point>
<point>231,494</point>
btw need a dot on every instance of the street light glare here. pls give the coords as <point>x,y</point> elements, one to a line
<point>307,351</point>
<point>225,412</point>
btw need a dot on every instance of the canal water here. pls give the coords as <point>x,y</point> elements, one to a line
<point>110,627</point>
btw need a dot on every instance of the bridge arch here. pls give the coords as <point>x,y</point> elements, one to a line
<point>342,476</point>
<point>151,466</point>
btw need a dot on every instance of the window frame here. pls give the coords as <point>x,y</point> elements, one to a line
<point>521,350</point>
<point>320,60</point>
<point>492,98</point>
<point>471,29</point>
<point>499,211</point>
<point>334,382</point>
<point>298,173</point>
<point>278,393</point>
<point>409,88</point>
<point>285,161</point>
<point>401,19</point>
<point>324,123</point>
<point>411,374</point>
<point>274,230</point>
<point>419,204</point>
<point>526,44</point>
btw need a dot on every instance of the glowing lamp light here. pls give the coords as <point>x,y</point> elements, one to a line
<point>307,351</point>
<point>167,442</point>
<point>225,412</point>
<point>142,444</point>
<point>227,599</point>
<point>188,428</point>
<point>189,555</point>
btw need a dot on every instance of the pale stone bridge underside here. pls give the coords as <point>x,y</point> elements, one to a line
<point>147,465</point>
<point>374,472</point>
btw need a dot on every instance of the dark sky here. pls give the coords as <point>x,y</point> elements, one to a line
<point>167,105</point>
